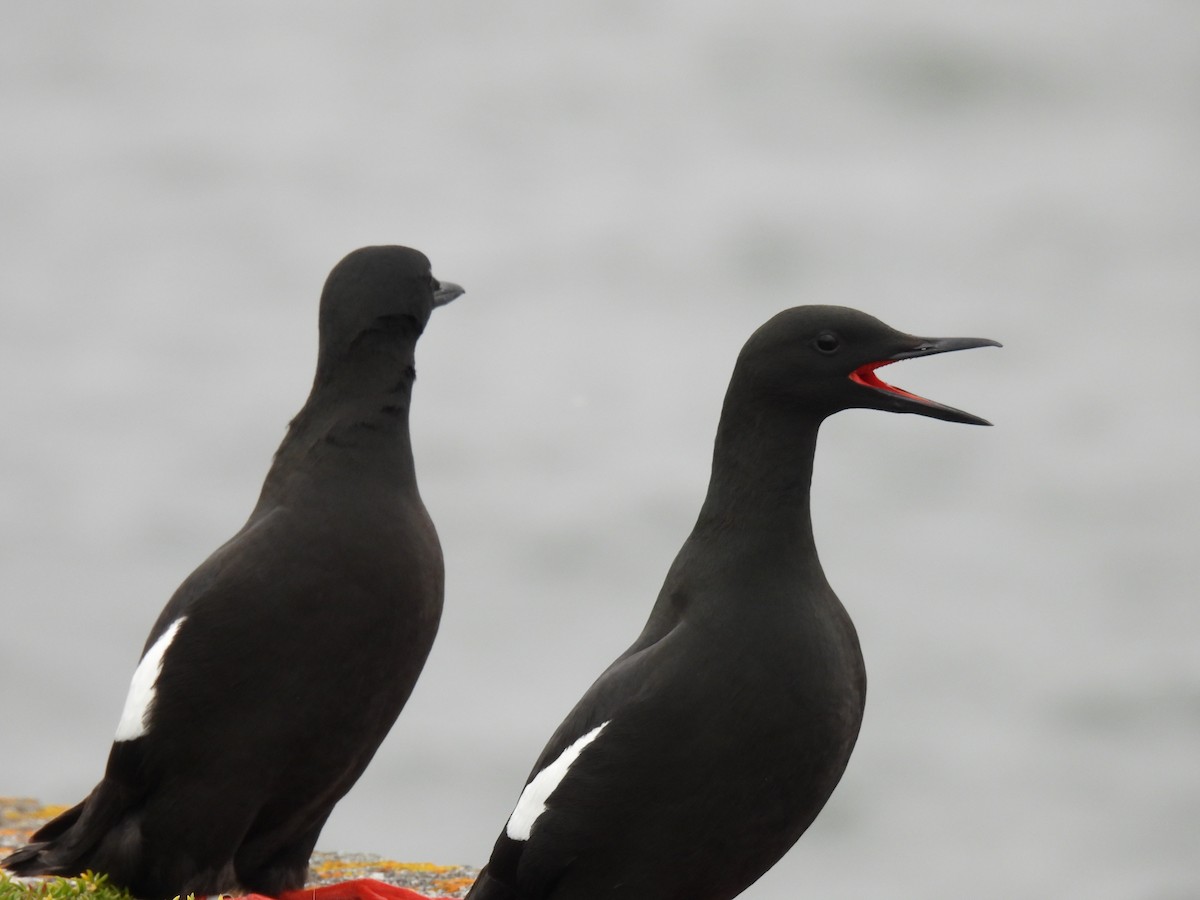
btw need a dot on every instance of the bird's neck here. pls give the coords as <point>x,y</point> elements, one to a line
<point>761,475</point>
<point>350,434</point>
<point>754,534</point>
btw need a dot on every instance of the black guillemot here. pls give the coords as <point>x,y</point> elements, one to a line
<point>279,665</point>
<point>708,747</point>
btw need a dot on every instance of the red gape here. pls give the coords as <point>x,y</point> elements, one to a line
<point>865,375</point>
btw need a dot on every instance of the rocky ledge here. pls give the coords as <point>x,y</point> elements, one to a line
<point>20,816</point>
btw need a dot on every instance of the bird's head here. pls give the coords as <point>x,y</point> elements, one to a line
<point>377,298</point>
<point>823,359</point>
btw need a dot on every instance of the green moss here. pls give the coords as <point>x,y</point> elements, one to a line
<point>88,886</point>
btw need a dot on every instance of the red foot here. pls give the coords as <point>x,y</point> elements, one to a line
<point>356,889</point>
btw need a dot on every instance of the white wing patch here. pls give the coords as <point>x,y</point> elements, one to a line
<point>135,717</point>
<point>532,802</point>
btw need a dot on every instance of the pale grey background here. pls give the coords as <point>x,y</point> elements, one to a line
<point>627,190</point>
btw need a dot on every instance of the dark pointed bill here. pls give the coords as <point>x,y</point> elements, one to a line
<point>445,292</point>
<point>903,401</point>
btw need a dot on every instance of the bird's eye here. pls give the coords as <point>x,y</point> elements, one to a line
<point>827,342</point>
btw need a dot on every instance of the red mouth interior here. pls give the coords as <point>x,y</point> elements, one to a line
<point>865,375</point>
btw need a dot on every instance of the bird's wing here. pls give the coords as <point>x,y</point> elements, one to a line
<point>239,657</point>
<point>586,775</point>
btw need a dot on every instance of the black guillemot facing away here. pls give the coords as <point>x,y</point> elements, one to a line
<point>279,665</point>
<point>709,746</point>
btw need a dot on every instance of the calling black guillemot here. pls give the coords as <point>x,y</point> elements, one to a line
<point>708,747</point>
<point>279,665</point>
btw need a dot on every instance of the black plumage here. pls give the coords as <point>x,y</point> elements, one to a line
<point>292,649</point>
<point>709,746</point>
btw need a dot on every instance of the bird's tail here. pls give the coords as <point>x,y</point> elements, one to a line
<point>40,856</point>
<point>67,844</point>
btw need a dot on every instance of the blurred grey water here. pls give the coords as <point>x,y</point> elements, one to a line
<point>627,191</point>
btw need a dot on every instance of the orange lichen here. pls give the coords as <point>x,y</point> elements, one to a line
<point>21,808</point>
<point>50,811</point>
<point>453,885</point>
<point>345,869</point>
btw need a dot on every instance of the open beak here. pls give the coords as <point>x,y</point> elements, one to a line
<point>445,292</point>
<point>897,400</point>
